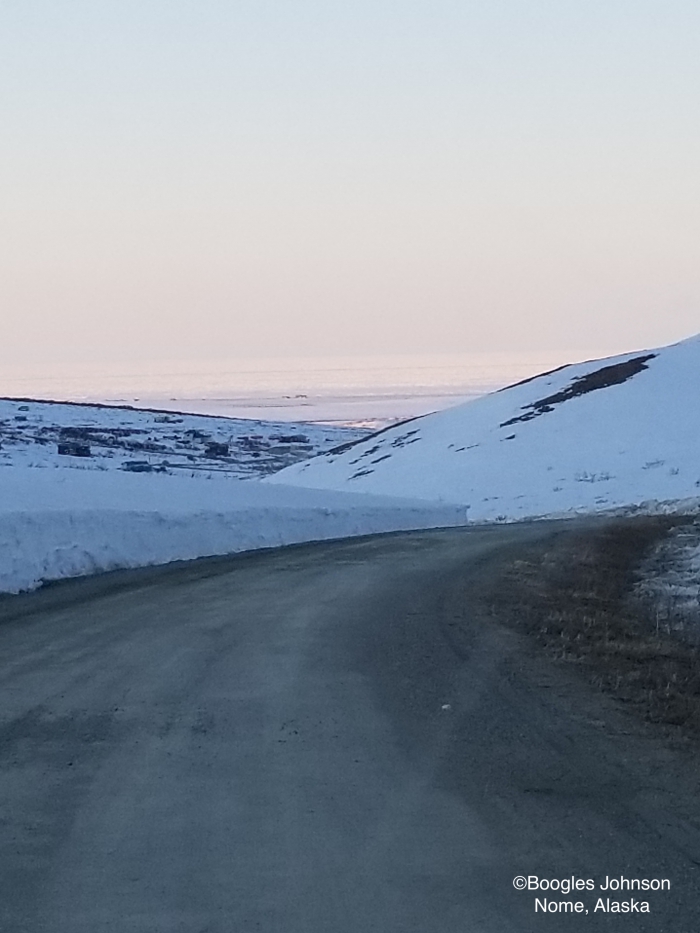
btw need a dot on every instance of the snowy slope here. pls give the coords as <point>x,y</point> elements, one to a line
<point>591,436</point>
<point>108,437</point>
<point>63,523</point>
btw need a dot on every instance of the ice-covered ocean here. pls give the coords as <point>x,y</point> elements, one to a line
<point>371,390</point>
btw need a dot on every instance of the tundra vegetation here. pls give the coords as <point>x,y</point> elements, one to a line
<point>583,597</point>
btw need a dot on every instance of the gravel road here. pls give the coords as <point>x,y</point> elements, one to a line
<point>330,738</point>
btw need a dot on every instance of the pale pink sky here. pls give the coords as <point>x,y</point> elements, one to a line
<point>213,180</point>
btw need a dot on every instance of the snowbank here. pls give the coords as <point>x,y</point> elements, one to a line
<point>63,523</point>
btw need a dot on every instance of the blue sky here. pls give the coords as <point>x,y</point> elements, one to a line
<point>218,179</point>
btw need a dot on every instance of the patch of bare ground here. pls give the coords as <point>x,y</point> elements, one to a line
<point>573,597</point>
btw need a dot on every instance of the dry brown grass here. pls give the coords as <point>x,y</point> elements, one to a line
<point>574,599</point>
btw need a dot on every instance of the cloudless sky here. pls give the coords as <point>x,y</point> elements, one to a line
<point>223,178</point>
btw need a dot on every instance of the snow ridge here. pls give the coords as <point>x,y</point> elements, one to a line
<point>63,523</point>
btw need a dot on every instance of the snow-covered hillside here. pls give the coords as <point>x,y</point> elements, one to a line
<point>591,436</point>
<point>107,437</point>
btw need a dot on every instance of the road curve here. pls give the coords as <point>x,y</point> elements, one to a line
<point>329,738</point>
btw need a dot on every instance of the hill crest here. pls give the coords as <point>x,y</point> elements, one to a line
<point>584,437</point>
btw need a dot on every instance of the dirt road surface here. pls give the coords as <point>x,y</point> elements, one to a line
<point>330,738</point>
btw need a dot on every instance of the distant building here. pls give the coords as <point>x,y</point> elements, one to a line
<point>214,449</point>
<point>74,449</point>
